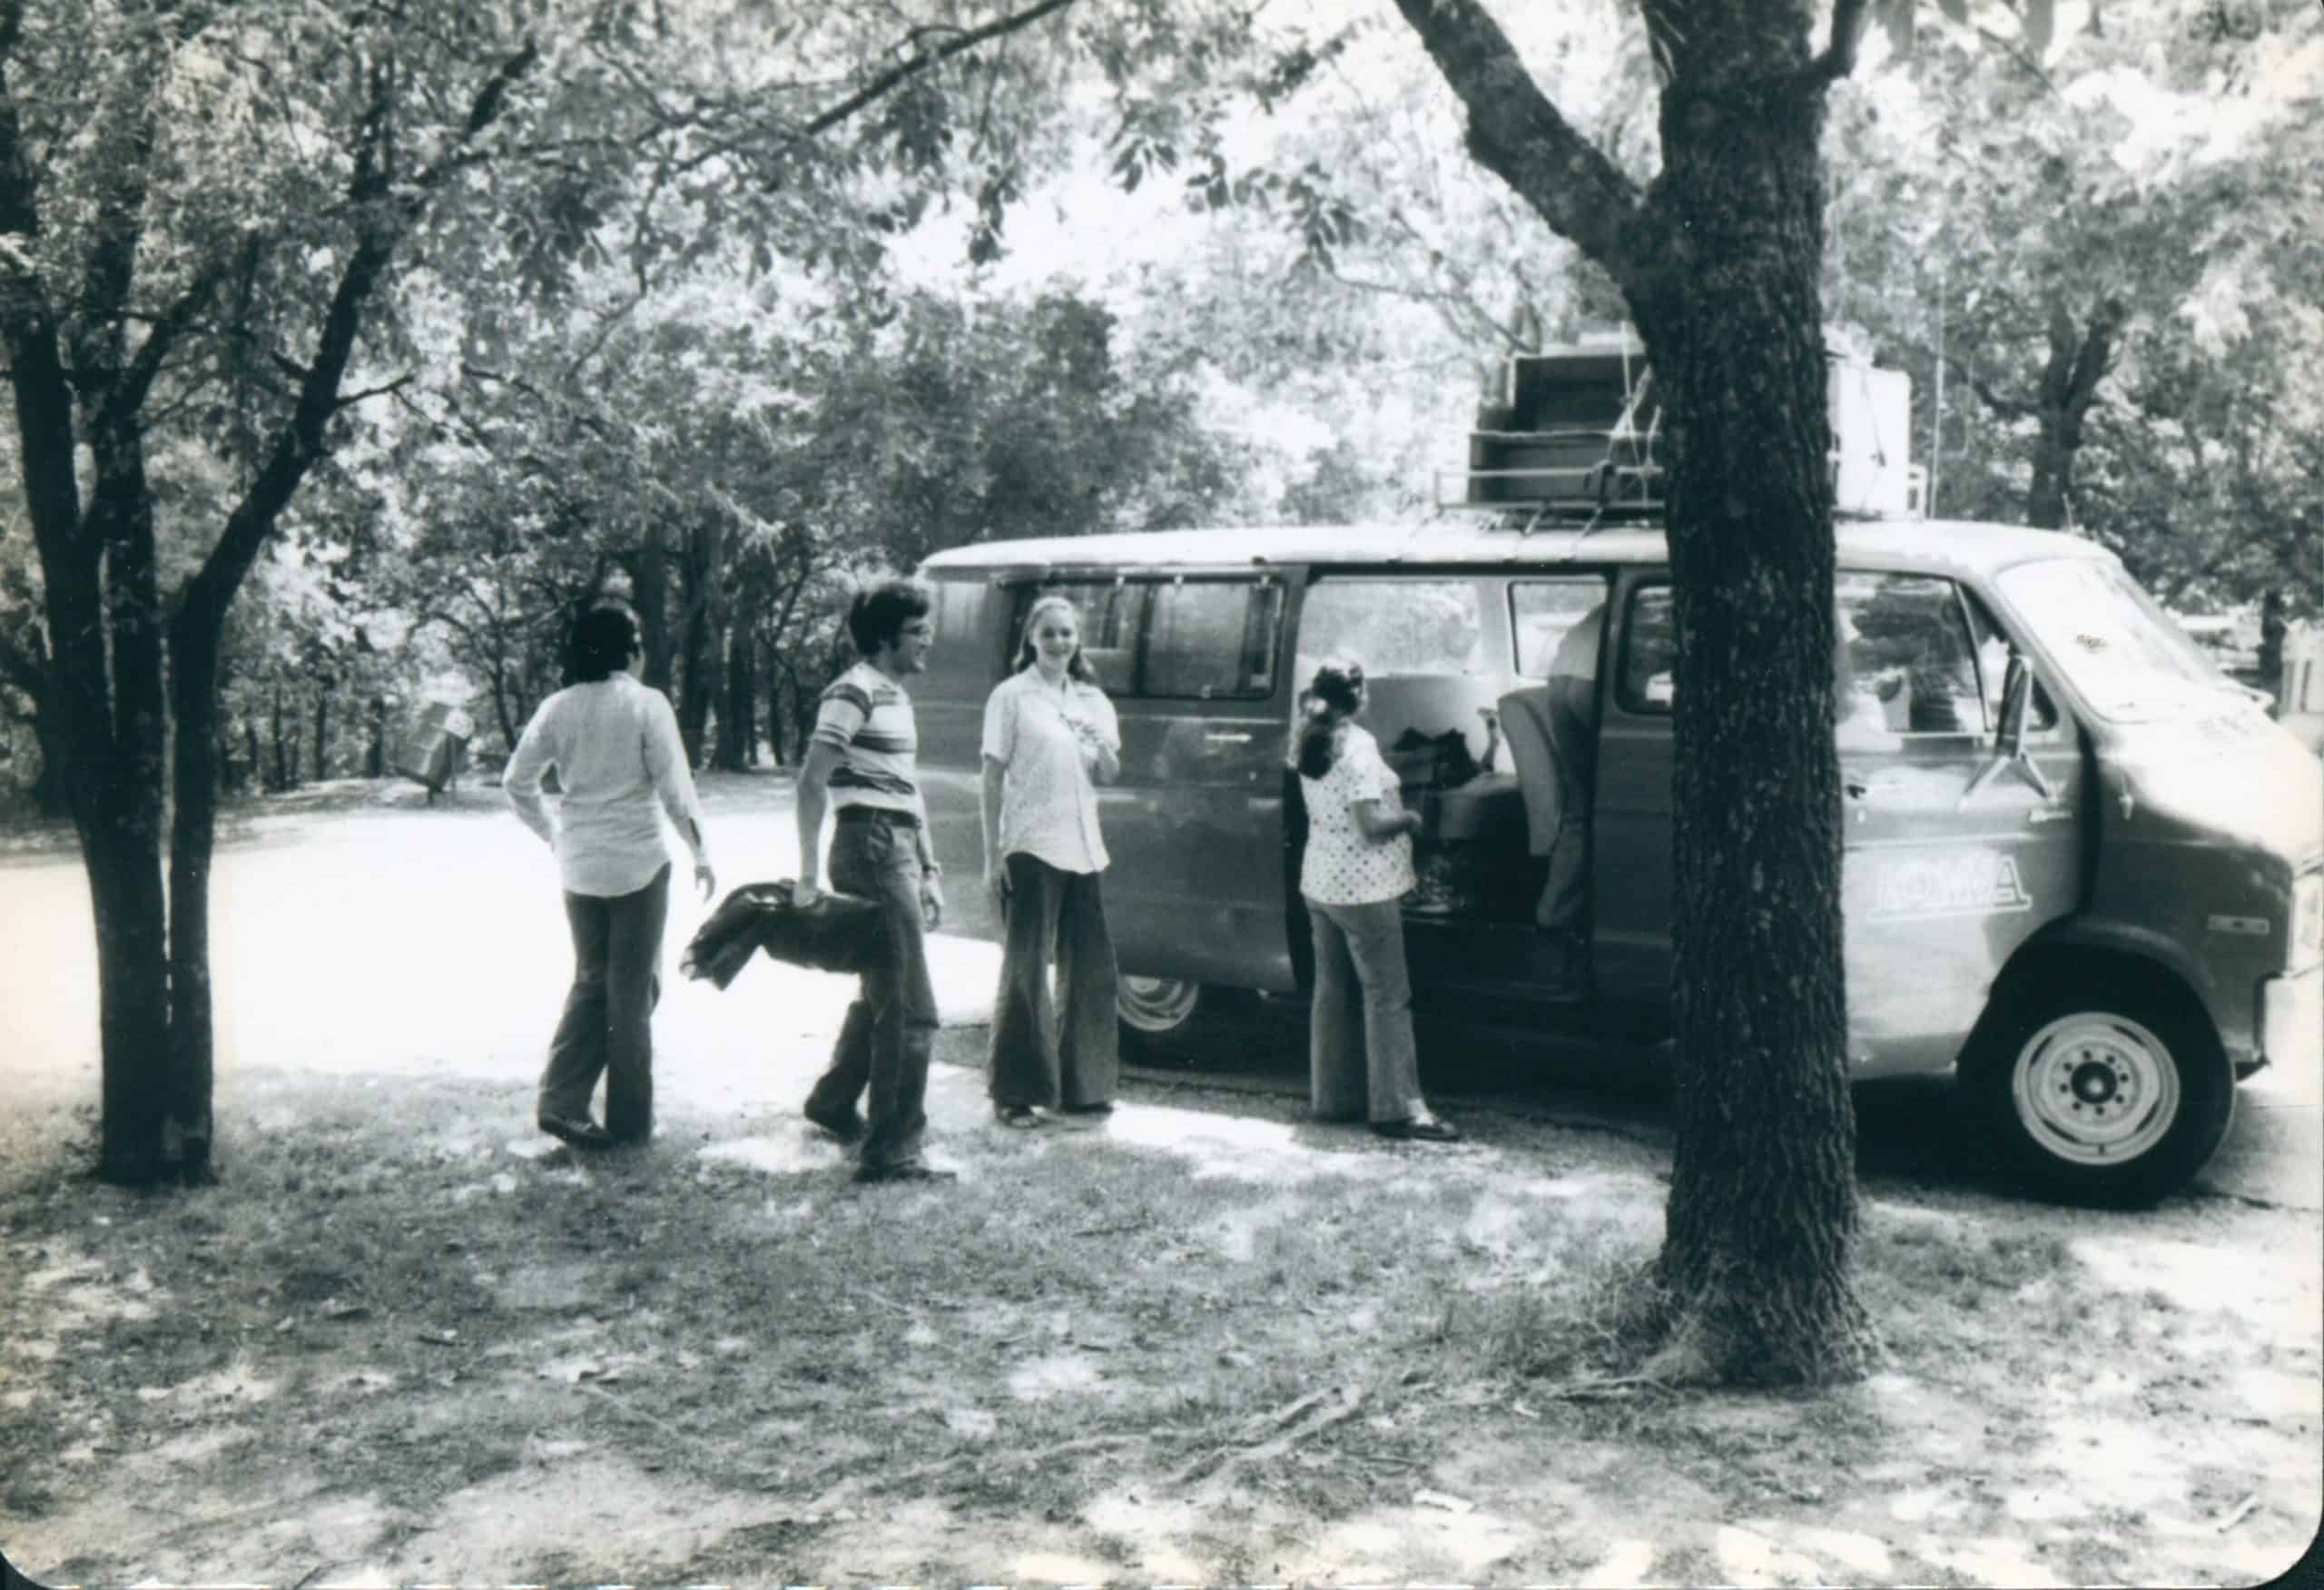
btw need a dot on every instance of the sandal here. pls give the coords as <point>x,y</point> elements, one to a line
<point>1419,1128</point>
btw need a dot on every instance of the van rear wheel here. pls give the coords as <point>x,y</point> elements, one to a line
<point>2104,1095</point>
<point>1168,1021</point>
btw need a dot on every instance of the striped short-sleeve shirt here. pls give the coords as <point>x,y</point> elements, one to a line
<point>867,718</point>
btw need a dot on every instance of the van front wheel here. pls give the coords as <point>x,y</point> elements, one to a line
<point>2100,1096</point>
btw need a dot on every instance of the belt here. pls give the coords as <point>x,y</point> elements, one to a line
<point>887,815</point>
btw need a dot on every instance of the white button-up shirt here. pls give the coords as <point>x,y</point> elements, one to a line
<point>615,747</point>
<point>1045,736</point>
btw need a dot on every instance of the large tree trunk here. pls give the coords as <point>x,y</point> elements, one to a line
<point>375,745</point>
<point>193,705</point>
<point>1757,1256</point>
<point>322,728</point>
<point>1720,265</point>
<point>699,633</point>
<point>2080,357</point>
<point>699,679</point>
<point>281,742</point>
<point>649,584</point>
<point>776,713</point>
<point>738,727</point>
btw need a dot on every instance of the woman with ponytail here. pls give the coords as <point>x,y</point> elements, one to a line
<point>1049,733</point>
<point>1361,1059</point>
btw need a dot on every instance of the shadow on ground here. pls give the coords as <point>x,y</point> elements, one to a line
<point>1910,1130</point>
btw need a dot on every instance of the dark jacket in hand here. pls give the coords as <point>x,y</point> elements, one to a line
<point>838,933</point>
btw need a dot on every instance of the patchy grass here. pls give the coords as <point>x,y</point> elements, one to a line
<point>399,1340</point>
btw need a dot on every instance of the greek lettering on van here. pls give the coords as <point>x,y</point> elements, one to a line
<point>1973,884</point>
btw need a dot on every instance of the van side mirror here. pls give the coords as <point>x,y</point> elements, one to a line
<point>2016,696</point>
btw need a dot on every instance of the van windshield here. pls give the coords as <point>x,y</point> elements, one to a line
<point>2120,650</point>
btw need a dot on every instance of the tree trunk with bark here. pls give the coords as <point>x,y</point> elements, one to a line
<point>72,359</point>
<point>281,780</point>
<point>1720,262</point>
<point>375,743</point>
<point>776,715</point>
<point>649,585</point>
<point>322,728</point>
<point>1762,1215</point>
<point>699,636</point>
<point>738,728</point>
<point>2081,355</point>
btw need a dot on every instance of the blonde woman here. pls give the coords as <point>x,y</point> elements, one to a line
<point>1361,1062</point>
<point>1049,735</point>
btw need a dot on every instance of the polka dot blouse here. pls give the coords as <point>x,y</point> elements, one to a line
<point>1342,867</point>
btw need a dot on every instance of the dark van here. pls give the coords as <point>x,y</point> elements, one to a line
<point>2082,865</point>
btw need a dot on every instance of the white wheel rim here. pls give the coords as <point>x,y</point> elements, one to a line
<point>1158,1004</point>
<point>2094,1088</point>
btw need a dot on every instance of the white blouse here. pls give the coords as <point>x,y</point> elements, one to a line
<point>619,757</point>
<point>1048,807</point>
<point>1342,867</point>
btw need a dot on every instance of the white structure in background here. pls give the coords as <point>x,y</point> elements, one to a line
<point>1873,474</point>
<point>2300,691</point>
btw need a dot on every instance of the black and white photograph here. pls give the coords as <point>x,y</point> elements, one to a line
<point>1161,793</point>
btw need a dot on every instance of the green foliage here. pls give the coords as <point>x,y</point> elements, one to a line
<point>2158,176</point>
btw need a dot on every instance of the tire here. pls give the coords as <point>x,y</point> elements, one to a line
<point>2104,1094</point>
<point>1168,1021</point>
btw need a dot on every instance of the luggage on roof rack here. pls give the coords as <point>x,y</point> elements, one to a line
<point>1578,434</point>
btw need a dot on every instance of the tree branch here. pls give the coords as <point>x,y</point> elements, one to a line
<point>129,393</point>
<point>1838,59</point>
<point>894,75</point>
<point>2095,355</point>
<point>1516,134</point>
<point>397,385</point>
<point>303,441</point>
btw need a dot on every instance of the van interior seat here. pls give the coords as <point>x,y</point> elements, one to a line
<point>1429,704</point>
<point>1525,731</point>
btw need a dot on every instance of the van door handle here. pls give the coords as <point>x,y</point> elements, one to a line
<point>1227,737</point>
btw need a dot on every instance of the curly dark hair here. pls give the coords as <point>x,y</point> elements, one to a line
<point>876,619</point>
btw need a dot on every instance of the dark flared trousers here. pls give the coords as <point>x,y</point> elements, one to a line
<point>881,1055</point>
<point>1065,1049</point>
<point>607,1025</point>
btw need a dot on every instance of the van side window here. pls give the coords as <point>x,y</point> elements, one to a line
<point>1646,678</point>
<point>1393,625</point>
<point>1543,612</point>
<point>959,607</point>
<point>1993,669</point>
<point>1112,614</point>
<point>1906,664</point>
<point>1210,639</point>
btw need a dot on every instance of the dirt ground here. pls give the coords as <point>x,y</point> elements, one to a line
<point>403,1340</point>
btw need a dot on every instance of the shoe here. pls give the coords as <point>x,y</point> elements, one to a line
<point>1419,1128</point>
<point>582,1133</point>
<point>1101,1109</point>
<point>911,1171</point>
<point>1023,1117</point>
<point>848,1127</point>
